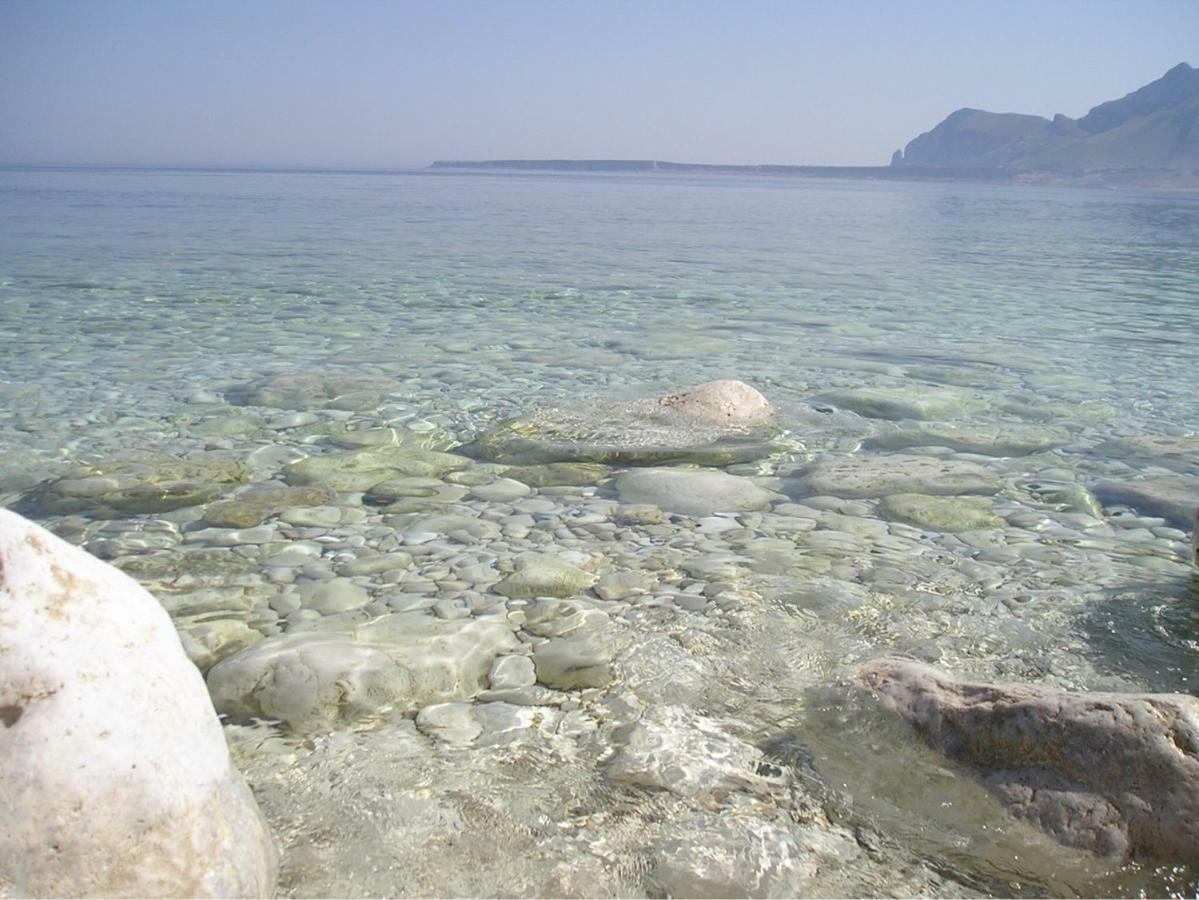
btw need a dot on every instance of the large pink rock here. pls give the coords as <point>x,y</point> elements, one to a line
<point>1114,773</point>
<point>115,779</point>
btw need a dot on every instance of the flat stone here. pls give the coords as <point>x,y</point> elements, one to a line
<point>114,770</point>
<point>674,749</point>
<point>559,474</point>
<point>400,662</point>
<point>917,401</point>
<point>948,514</point>
<point>1002,439</point>
<point>502,490</point>
<point>258,503</point>
<point>877,476</point>
<point>620,585</point>
<point>509,672</point>
<point>135,483</point>
<point>1178,452</point>
<point>1173,497</point>
<point>361,470</point>
<point>1117,774</point>
<point>310,390</point>
<point>208,642</point>
<point>692,492</point>
<point>465,529</point>
<point>581,661</point>
<point>543,575</point>
<point>730,857</point>
<point>707,426</point>
<point>333,595</point>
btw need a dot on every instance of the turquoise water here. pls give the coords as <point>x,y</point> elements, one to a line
<point>131,303</point>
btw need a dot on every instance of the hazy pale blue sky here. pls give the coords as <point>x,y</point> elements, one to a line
<point>395,84</point>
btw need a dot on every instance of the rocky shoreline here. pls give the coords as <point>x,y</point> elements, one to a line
<point>591,595</point>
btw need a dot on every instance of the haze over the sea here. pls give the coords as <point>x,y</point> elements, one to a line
<point>365,85</point>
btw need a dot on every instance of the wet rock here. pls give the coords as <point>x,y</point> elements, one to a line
<point>692,492</point>
<point>878,476</point>
<point>1180,453</point>
<point>259,502</point>
<point>502,490</point>
<point>674,749</point>
<point>730,857</point>
<point>432,488</point>
<point>333,595</point>
<point>1005,439</point>
<point>136,483</point>
<point>543,575</point>
<point>1117,774</point>
<point>361,470</point>
<point>719,403</point>
<point>1069,495</point>
<point>392,437</point>
<point>620,585</point>
<point>312,390</point>
<point>1173,497</point>
<point>508,672</point>
<point>559,474</point>
<point>948,514</point>
<point>451,723</point>
<point>465,529</point>
<point>207,642</point>
<point>113,766</point>
<point>316,680</point>
<point>916,401</point>
<point>717,426</point>
<point>580,661</point>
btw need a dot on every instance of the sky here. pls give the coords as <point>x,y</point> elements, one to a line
<point>400,83</point>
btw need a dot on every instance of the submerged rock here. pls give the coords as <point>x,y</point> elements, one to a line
<point>136,483</point>
<point>311,390</point>
<point>941,513</point>
<point>916,401</point>
<point>361,470</point>
<point>878,476</point>
<point>989,440</point>
<point>544,575</point>
<point>676,750</point>
<point>324,679</point>
<point>1117,774</point>
<point>692,492</point>
<point>1173,497</point>
<point>559,474</point>
<point>730,857</point>
<point>1180,453</point>
<point>113,766</point>
<point>260,502</point>
<point>715,424</point>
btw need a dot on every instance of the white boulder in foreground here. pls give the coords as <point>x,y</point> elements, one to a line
<point>115,779</point>
<point>1117,774</point>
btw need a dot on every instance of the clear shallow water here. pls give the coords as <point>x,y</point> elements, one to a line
<point>130,302</point>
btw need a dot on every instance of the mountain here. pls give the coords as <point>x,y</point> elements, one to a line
<point>1148,138</point>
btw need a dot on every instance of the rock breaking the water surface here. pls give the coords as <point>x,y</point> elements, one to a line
<point>113,767</point>
<point>1117,774</point>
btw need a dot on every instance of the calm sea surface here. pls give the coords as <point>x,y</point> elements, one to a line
<point>132,305</point>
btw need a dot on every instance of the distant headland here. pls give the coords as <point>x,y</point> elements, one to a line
<point>1146,139</point>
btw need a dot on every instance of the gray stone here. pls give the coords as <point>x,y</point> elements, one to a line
<point>543,575</point>
<point>916,401</point>
<point>1173,497</point>
<point>947,514</point>
<point>1004,439</point>
<point>1117,774</point>
<point>620,585</point>
<point>878,476</point>
<point>581,661</point>
<point>730,857</point>
<point>693,492</point>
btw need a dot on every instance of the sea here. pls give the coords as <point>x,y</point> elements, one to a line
<point>136,306</point>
